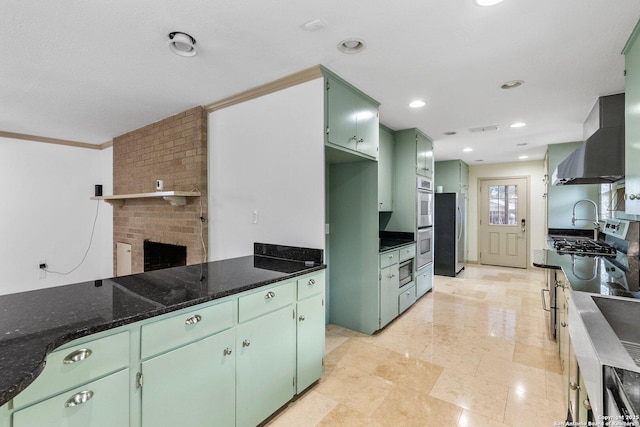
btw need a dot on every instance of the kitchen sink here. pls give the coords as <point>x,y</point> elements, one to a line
<point>622,316</point>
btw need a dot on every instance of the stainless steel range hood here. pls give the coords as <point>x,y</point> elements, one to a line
<point>600,158</point>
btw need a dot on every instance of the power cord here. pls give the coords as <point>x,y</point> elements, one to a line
<point>93,229</point>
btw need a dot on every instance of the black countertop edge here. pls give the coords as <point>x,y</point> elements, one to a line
<point>390,246</point>
<point>16,373</point>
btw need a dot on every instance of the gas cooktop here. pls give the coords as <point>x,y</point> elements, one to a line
<point>582,246</point>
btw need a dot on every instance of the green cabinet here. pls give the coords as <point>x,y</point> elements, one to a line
<point>310,332</point>
<point>452,176</point>
<point>389,283</point>
<point>100,403</point>
<point>385,171</point>
<point>632,123</point>
<point>424,154</point>
<point>424,280</point>
<point>265,361</point>
<point>191,385</point>
<point>351,117</point>
<point>406,297</point>
<point>230,362</point>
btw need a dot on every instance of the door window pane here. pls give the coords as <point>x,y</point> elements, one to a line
<point>503,204</point>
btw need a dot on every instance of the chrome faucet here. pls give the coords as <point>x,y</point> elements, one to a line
<point>596,222</point>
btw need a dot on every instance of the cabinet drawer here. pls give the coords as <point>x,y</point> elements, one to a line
<point>389,258</point>
<point>407,252</point>
<point>184,328</point>
<point>69,367</point>
<point>101,403</point>
<point>310,286</point>
<point>407,297</point>
<point>265,301</point>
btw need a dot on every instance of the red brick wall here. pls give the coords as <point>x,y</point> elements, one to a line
<point>175,151</point>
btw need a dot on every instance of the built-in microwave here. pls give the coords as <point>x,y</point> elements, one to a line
<point>405,272</point>
<point>424,247</point>
<point>424,202</point>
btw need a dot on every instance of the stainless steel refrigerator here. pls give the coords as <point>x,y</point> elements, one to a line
<point>448,234</point>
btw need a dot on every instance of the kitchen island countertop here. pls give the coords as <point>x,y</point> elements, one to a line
<point>34,323</point>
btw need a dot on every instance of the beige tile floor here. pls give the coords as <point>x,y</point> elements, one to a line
<point>473,352</point>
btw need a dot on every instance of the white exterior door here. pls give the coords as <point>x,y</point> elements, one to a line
<point>504,222</point>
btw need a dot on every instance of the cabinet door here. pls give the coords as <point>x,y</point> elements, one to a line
<point>632,128</point>
<point>101,403</point>
<point>407,297</point>
<point>367,128</point>
<point>265,361</point>
<point>424,280</point>
<point>342,104</point>
<point>310,344</point>
<point>192,385</point>
<point>385,172</point>
<point>389,286</point>
<point>424,155</point>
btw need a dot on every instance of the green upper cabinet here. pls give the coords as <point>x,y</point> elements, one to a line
<point>452,176</point>
<point>424,154</point>
<point>632,123</point>
<point>385,171</point>
<point>351,118</point>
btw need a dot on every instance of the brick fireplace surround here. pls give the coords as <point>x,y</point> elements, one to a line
<point>175,151</point>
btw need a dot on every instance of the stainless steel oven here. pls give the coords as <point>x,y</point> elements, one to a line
<point>424,247</point>
<point>424,204</point>
<point>405,272</point>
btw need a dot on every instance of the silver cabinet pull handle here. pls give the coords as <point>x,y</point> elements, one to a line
<point>246,343</point>
<point>301,318</point>
<point>586,404</point>
<point>79,398</point>
<point>563,324</point>
<point>77,356</point>
<point>311,282</point>
<point>193,319</point>
<point>573,385</point>
<point>270,295</point>
<point>227,351</point>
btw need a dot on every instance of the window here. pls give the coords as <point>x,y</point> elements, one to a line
<point>503,204</point>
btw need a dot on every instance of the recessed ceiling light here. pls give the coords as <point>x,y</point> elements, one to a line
<point>417,104</point>
<point>451,132</point>
<point>182,44</point>
<point>487,2</point>
<point>467,150</point>
<point>518,125</point>
<point>512,84</point>
<point>351,45</point>
<point>523,157</point>
<point>522,144</point>
<point>480,160</point>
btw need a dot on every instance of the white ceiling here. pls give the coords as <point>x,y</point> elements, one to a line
<point>91,70</point>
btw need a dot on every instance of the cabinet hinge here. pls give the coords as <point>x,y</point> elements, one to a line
<point>328,130</point>
<point>293,313</point>
<point>327,84</point>
<point>293,383</point>
<point>139,380</point>
<point>323,302</point>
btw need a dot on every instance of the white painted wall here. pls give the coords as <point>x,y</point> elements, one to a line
<point>45,213</point>
<point>267,155</point>
<point>535,171</point>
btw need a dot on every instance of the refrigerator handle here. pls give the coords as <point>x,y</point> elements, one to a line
<point>459,223</point>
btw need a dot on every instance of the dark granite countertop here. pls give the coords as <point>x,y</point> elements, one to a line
<point>603,275</point>
<point>34,323</point>
<point>394,239</point>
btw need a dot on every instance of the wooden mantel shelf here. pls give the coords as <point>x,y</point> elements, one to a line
<point>176,198</point>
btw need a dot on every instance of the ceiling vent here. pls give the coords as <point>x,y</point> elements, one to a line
<point>483,129</point>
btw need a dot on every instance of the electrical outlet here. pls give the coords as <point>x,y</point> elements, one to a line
<point>42,265</point>
<point>255,217</point>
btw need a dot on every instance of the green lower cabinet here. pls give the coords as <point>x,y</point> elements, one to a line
<point>424,280</point>
<point>265,365</point>
<point>407,296</point>
<point>388,294</point>
<point>100,403</point>
<point>310,344</point>
<point>192,385</point>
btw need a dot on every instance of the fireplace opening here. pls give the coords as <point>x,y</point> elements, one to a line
<point>162,255</point>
